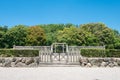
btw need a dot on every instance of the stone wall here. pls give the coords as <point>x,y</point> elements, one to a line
<point>35,62</point>
<point>19,61</point>
<point>100,62</point>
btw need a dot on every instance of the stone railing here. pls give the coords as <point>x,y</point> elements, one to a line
<point>91,47</point>
<point>39,47</point>
<point>29,47</point>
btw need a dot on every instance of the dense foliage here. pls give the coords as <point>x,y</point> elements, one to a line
<point>35,36</point>
<point>100,52</point>
<point>93,53</point>
<point>18,53</point>
<point>91,34</point>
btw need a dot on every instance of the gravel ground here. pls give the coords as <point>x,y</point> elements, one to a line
<point>59,73</point>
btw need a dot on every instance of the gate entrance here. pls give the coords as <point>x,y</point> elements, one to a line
<point>59,52</point>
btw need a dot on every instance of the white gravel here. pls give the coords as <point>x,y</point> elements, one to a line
<point>59,73</point>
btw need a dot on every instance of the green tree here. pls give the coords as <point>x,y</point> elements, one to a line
<point>91,34</point>
<point>35,36</point>
<point>73,36</point>
<point>67,35</point>
<point>117,39</point>
<point>51,31</point>
<point>1,39</point>
<point>15,36</point>
<point>94,28</point>
<point>3,30</point>
<point>101,32</point>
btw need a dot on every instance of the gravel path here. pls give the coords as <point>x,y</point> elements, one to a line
<point>59,73</point>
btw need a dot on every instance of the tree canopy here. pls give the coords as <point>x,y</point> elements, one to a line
<point>35,36</point>
<point>91,34</point>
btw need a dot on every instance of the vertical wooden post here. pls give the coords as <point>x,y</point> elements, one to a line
<point>67,53</point>
<point>51,53</point>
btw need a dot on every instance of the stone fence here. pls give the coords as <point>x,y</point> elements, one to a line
<point>100,62</point>
<point>35,62</point>
<point>19,61</point>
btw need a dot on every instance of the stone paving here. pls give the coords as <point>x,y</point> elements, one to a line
<point>59,73</point>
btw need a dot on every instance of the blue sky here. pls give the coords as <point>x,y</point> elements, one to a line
<point>33,12</point>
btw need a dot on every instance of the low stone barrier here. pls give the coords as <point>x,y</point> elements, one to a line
<point>19,61</point>
<point>35,62</point>
<point>100,62</point>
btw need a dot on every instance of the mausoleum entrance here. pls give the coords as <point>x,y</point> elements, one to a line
<point>59,52</point>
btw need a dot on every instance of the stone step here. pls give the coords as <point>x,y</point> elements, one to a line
<point>59,64</point>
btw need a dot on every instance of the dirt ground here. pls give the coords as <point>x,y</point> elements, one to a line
<point>59,73</point>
